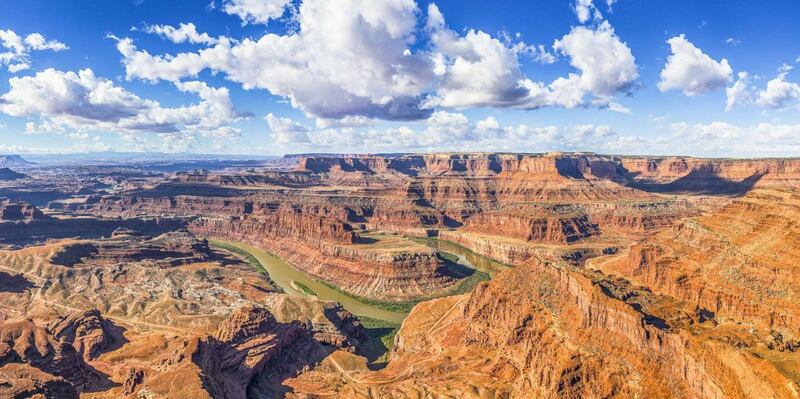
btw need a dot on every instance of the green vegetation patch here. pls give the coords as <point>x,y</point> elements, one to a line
<point>392,306</point>
<point>304,288</point>
<point>468,284</point>
<point>478,261</point>
<point>380,339</point>
<point>469,276</point>
<point>448,256</point>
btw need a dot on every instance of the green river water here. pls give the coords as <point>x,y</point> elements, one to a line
<point>287,277</point>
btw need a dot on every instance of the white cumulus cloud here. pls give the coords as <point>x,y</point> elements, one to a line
<point>475,69</point>
<point>607,64</point>
<point>185,32</point>
<point>287,131</point>
<point>350,62</point>
<point>256,11</point>
<point>585,10</point>
<point>68,102</point>
<point>479,70</point>
<point>779,93</point>
<point>740,93</point>
<point>690,70</point>
<point>349,58</point>
<point>17,50</point>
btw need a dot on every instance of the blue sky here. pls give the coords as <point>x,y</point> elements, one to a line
<point>280,76</point>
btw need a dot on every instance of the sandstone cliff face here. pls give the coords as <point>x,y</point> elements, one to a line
<point>285,221</point>
<point>563,334</point>
<point>676,167</point>
<point>19,380</point>
<point>462,164</point>
<point>516,252</point>
<point>249,355</point>
<point>264,178</point>
<point>42,362</point>
<point>88,332</point>
<point>736,263</point>
<point>194,296</point>
<point>542,228</point>
<point>39,230</point>
<point>652,174</point>
<point>329,256</point>
<point>711,176</point>
<point>184,205</point>
<point>507,251</point>
<point>19,211</point>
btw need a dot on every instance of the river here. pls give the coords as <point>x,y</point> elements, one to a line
<point>286,276</point>
<point>465,256</point>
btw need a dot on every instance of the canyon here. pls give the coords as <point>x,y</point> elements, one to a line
<point>569,275</point>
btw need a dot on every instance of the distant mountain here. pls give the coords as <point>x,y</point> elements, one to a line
<point>8,174</point>
<point>13,161</point>
<point>128,158</point>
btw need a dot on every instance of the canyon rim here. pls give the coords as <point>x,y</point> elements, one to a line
<point>399,199</point>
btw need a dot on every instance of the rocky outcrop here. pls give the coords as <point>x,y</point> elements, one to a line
<point>243,346</point>
<point>382,273</point>
<point>19,380</point>
<point>327,322</point>
<point>538,228</point>
<point>562,334</point>
<point>88,332</point>
<point>35,230</point>
<point>511,252</point>
<point>737,263</point>
<point>15,211</point>
<point>7,174</point>
<point>250,354</point>
<point>169,249</point>
<point>150,292</point>
<point>133,379</point>
<point>23,342</point>
<point>13,161</point>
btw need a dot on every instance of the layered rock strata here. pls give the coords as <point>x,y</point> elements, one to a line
<point>26,225</point>
<point>39,362</point>
<point>169,249</point>
<point>561,334</point>
<point>14,211</point>
<point>250,354</point>
<point>145,291</point>
<point>736,263</point>
<point>327,251</point>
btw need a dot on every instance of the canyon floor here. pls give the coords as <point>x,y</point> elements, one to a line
<point>457,275</point>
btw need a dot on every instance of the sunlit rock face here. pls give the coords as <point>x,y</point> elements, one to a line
<point>617,277</point>
<point>549,330</point>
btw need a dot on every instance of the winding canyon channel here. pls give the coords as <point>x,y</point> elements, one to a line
<point>287,277</point>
